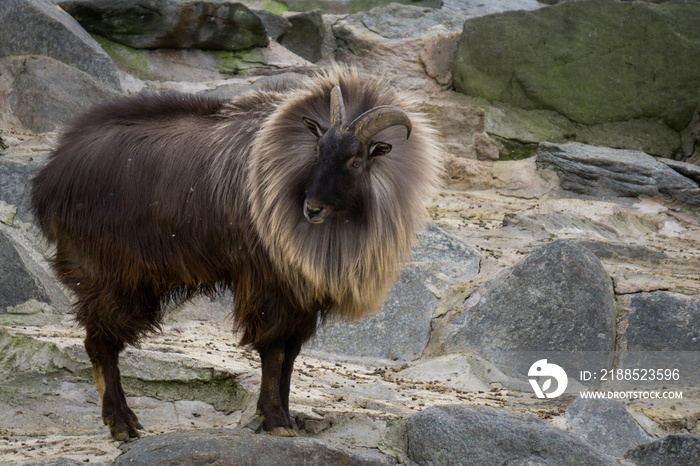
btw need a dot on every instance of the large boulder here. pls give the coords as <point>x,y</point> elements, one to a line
<point>479,435</point>
<point>171,23</point>
<point>43,94</point>
<point>605,424</point>
<point>38,27</point>
<point>598,62</point>
<point>227,446</point>
<point>600,170</point>
<point>558,301</point>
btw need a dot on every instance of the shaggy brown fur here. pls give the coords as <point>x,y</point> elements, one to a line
<point>155,198</point>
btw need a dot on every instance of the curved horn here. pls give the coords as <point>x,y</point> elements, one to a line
<point>337,107</point>
<point>382,117</point>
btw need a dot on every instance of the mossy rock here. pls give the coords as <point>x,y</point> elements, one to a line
<point>594,62</point>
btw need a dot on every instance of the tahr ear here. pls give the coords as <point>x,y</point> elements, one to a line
<point>379,148</point>
<point>314,127</point>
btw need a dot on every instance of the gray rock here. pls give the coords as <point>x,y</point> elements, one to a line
<point>674,450</point>
<point>605,424</point>
<point>622,252</point>
<point>594,62</point>
<point>38,27</point>
<point>402,21</point>
<point>664,321</point>
<point>305,36</point>
<point>444,255</point>
<point>472,8</point>
<point>401,329</point>
<point>688,170</point>
<point>275,25</point>
<point>352,6</point>
<point>171,23</point>
<point>600,170</point>
<point>229,447</point>
<point>558,299</point>
<point>17,284</point>
<point>663,332</point>
<point>28,365</point>
<point>479,435</point>
<point>406,42</point>
<point>44,94</point>
<point>15,174</point>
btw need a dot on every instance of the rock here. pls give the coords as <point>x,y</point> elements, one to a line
<point>605,424</point>
<point>275,25</point>
<point>479,435</point>
<point>305,36</point>
<point>622,252</point>
<point>171,23</point>
<point>520,128</point>
<point>460,126</point>
<point>583,61</point>
<point>401,329</point>
<point>38,27</point>
<point>688,170</point>
<point>226,446</point>
<point>674,450</point>
<point>599,170</point>
<point>663,321</point>
<point>407,42</point>
<point>7,213</point>
<point>44,94</point>
<point>473,8</point>
<point>17,284</point>
<point>558,299</point>
<point>165,376</point>
<point>15,173</point>
<point>338,7</point>
<point>445,256</point>
<point>593,61</point>
<point>662,332</point>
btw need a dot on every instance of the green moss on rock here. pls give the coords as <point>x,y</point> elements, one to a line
<point>133,61</point>
<point>595,62</point>
<point>238,63</point>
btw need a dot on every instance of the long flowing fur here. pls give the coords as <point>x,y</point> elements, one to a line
<point>352,264</point>
<point>162,197</point>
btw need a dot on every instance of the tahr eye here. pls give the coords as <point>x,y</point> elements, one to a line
<point>356,164</point>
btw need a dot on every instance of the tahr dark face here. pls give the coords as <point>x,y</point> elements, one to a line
<point>344,154</point>
<point>342,160</point>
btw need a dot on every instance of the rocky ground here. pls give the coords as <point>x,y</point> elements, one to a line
<point>544,243</point>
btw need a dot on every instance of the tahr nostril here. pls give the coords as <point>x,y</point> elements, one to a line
<point>314,213</point>
<point>313,210</point>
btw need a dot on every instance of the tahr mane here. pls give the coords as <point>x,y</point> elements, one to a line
<point>350,262</point>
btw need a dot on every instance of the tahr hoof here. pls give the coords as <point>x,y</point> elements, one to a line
<point>282,432</point>
<point>123,430</point>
